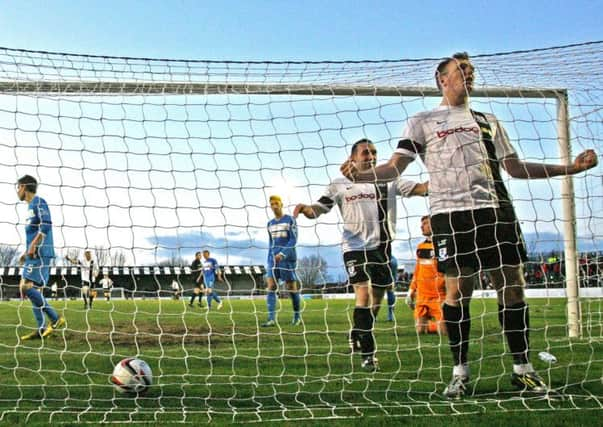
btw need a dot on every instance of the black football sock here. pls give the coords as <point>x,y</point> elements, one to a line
<point>458,325</point>
<point>515,321</point>
<point>363,323</point>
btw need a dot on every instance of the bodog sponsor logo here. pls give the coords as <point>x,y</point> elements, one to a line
<point>445,133</point>
<point>360,196</point>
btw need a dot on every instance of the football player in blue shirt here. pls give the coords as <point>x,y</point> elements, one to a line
<point>282,261</point>
<point>211,270</point>
<point>37,259</point>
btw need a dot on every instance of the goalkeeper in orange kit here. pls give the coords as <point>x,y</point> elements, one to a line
<point>427,289</point>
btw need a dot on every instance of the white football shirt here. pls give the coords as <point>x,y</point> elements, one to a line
<point>106,283</point>
<point>461,152</point>
<point>368,210</point>
<point>88,270</point>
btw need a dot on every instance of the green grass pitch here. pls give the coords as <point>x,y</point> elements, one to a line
<point>221,366</point>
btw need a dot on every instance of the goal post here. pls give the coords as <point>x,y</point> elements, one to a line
<point>574,321</point>
<point>560,96</point>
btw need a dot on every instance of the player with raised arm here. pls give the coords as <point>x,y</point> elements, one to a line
<point>282,261</point>
<point>211,271</point>
<point>427,288</point>
<point>369,225</point>
<point>88,273</point>
<point>472,216</point>
<point>37,258</point>
<point>197,279</point>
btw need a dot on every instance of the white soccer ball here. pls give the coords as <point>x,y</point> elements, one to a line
<point>132,375</point>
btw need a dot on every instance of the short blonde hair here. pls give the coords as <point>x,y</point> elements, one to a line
<point>275,198</point>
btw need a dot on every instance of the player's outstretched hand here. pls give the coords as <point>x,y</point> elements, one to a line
<point>307,211</point>
<point>585,160</point>
<point>349,169</point>
<point>298,208</point>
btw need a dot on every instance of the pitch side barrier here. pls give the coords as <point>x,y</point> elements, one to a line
<point>125,294</point>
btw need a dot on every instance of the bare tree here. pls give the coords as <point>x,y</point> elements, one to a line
<point>174,260</point>
<point>118,258</point>
<point>8,255</point>
<point>311,270</point>
<point>102,255</point>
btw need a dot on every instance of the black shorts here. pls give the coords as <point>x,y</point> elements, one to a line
<point>373,265</point>
<point>482,239</point>
<point>91,285</point>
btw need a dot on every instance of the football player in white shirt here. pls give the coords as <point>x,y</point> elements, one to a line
<point>106,283</point>
<point>473,219</point>
<point>54,291</point>
<point>88,272</point>
<point>176,289</point>
<point>369,224</point>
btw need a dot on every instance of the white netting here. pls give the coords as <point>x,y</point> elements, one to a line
<point>147,161</point>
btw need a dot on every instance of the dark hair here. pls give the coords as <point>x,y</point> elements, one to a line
<point>31,184</point>
<point>424,217</point>
<point>357,143</point>
<point>442,65</point>
<point>197,253</point>
<point>206,251</point>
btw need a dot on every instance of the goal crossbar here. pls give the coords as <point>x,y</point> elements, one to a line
<point>183,88</point>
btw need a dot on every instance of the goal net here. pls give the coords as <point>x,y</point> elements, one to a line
<point>147,161</point>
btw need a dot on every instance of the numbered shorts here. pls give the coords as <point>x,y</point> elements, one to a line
<point>37,270</point>
<point>370,265</point>
<point>284,270</point>
<point>479,239</point>
<point>429,309</point>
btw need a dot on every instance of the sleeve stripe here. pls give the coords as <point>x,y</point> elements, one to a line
<point>407,153</point>
<point>326,202</point>
<point>410,146</point>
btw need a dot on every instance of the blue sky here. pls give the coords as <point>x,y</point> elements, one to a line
<point>304,30</point>
<point>210,158</point>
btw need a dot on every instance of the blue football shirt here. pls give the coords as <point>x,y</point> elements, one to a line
<point>283,237</point>
<point>39,221</point>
